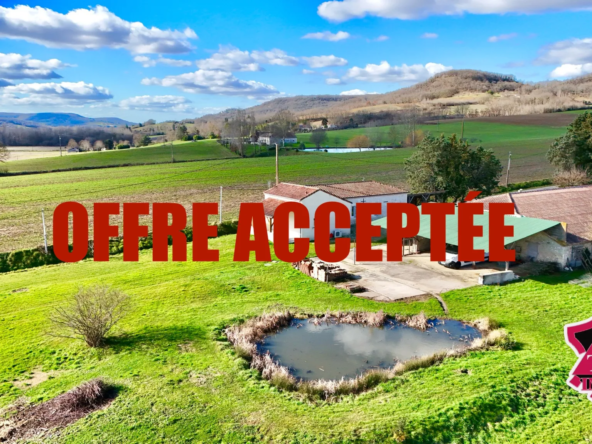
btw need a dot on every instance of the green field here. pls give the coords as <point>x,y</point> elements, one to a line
<point>182,151</point>
<point>23,197</point>
<point>178,384</point>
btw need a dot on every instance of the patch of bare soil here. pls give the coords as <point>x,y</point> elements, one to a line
<point>37,377</point>
<point>26,421</point>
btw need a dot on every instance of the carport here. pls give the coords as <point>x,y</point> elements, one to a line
<point>524,227</point>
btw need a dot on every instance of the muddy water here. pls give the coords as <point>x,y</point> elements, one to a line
<point>333,351</point>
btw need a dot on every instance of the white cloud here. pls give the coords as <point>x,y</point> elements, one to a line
<point>573,51</point>
<point>229,58</point>
<point>498,38</point>
<point>429,35</point>
<point>324,61</point>
<point>18,66</point>
<point>148,62</point>
<point>308,72</point>
<point>334,81</point>
<point>216,82</point>
<point>569,70</point>
<point>342,10</point>
<point>64,93</point>
<point>356,92</point>
<point>90,29</point>
<point>328,36</point>
<point>157,103</point>
<point>395,74</point>
<point>381,38</point>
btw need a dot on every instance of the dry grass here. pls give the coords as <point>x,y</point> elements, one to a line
<point>33,421</point>
<point>244,338</point>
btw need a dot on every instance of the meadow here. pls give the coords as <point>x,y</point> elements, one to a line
<point>180,382</point>
<point>182,152</point>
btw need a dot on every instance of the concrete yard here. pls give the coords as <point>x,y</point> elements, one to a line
<point>415,277</point>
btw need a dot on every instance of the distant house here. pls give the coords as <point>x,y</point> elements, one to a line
<point>570,206</point>
<point>268,138</point>
<point>312,197</point>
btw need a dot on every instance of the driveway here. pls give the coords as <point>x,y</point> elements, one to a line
<point>416,276</point>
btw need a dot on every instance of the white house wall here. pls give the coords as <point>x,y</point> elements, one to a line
<point>387,198</point>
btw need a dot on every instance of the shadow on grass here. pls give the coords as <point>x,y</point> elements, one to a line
<point>558,278</point>
<point>160,337</point>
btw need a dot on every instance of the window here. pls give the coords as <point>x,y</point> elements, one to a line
<point>354,210</point>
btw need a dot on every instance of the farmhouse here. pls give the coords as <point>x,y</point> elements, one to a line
<point>571,206</point>
<point>268,138</point>
<point>313,196</point>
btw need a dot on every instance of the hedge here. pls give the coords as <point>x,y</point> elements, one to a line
<point>36,257</point>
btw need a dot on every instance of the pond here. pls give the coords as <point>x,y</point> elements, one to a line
<point>342,150</point>
<point>332,351</point>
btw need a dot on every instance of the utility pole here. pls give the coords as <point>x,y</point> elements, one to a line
<point>462,129</point>
<point>172,154</point>
<point>508,170</point>
<point>60,145</point>
<point>220,209</point>
<point>44,231</point>
<point>277,168</point>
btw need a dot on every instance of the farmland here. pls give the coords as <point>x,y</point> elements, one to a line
<point>182,151</point>
<point>178,384</point>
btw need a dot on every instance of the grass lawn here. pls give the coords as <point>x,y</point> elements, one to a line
<point>178,384</point>
<point>183,151</point>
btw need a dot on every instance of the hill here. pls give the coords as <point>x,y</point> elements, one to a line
<point>59,119</point>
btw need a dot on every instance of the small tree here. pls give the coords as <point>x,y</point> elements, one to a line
<point>360,141</point>
<point>181,132</point>
<point>324,122</point>
<point>3,153</point>
<point>108,144</point>
<point>318,138</point>
<point>72,144</point>
<point>145,141</point>
<point>90,314</point>
<point>85,145</point>
<point>99,145</point>
<point>195,137</point>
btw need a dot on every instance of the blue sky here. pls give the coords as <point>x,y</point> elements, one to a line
<point>201,57</point>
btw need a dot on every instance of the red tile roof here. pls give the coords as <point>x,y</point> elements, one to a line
<point>270,205</point>
<point>570,205</point>
<point>360,189</point>
<point>291,191</point>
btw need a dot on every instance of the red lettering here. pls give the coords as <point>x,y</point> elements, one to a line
<point>132,230</point>
<point>202,231</point>
<point>161,230</point>
<point>437,213</point>
<point>79,232</point>
<point>102,231</point>
<point>395,232</point>
<point>322,231</point>
<point>281,231</point>
<point>498,231</point>
<point>468,231</point>
<point>365,231</point>
<point>255,215</point>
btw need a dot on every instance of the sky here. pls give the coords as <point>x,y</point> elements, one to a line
<point>173,60</point>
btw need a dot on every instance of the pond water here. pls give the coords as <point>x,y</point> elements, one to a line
<point>332,351</point>
<point>342,150</point>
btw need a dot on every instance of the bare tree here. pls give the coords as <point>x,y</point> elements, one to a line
<point>236,129</point>
<point>3,153</point>
<point>359,141</point>
<point>393,135</point>
<point>375,136</point>
<point>84,145</point>
<point>99,145</point>
<point>318,137</point>
<point>572,177</point>
<point>90,314</point>
<point>410,119</point>
<point>283,123</point>
<point>72,144</point>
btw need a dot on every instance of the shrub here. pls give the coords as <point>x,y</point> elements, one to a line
<point>570,178</point>
<point>122,147</point>
<point>90,314</point>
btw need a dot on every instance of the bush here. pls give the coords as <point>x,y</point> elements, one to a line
<point>122,147</point>
<point>90,314</point>
<point>570,178</point>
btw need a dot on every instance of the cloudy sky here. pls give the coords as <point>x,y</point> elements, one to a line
<point>148,59</point>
